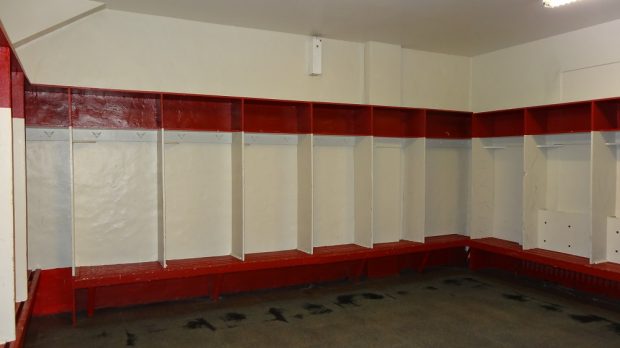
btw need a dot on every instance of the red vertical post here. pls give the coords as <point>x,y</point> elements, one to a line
<point>5,77</point>
<point>17,90</point>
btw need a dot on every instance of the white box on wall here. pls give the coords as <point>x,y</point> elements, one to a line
<point>315,58</point>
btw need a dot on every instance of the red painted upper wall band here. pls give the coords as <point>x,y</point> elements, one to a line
<point>115,110</point>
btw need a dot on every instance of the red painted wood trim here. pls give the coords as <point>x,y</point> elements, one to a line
<point>398,122</point>
<point>342,119</point>
<point>267,116</point>
<point>502,123</point>
<point>448,124</point>
<point>46,106</point>
<point>198,113</point>
<point>559,118</point>
<point>114,110</point>
<point>5,77</point>
<point>606,115</point>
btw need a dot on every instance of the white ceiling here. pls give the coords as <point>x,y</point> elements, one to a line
<point>462,27</point>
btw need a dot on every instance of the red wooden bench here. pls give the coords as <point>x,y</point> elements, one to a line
<point>568,270</point>
<point>216,268</point>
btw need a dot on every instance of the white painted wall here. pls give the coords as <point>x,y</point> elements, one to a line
<point>383,74</point>
<point>448,182</point>
<point>143,52</point>
<point>270,188</point>
<point>115,190</point>
<point>580,65</point>
<point>198,195</point>
<point>156,53</point>
<point>435,80</point>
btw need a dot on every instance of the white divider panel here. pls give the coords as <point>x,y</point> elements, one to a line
<point>334,190</point>
<point>414,184</point>
<point>304,194</point>
<point>363,191</point>
<point>198,194</point>
<point>613,240</point>
<point>72,199</point>
<point>270,192</point>
<point>116,196</point>
<point>161,198</point>
<point>534,189</point>
<point>20,208</point>
<point>7,248</point>
<point>497,188</point>
<point>49,198</point>
<point>388,196</point>
<point>604,186</point>
<point>564,232</point>
<point>447,186</point>
<point>237,185</point>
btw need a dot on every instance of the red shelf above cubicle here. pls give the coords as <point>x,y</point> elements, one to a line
<point>46,106</point>
<point>448,124</point>
<point>398,122</point>
<point>275,116</point>
<point>93,108</point>
<point>341,119</point>
<point>606,115</point>
<point>561,118</point>
<point>201,113</point>
<point>503,123</point>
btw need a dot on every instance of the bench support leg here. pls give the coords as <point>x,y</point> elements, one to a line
<point>216,287</point>
<point>91,301</point>
<point>424,262</point>
<point>74,309</point>
<point>357,271</point>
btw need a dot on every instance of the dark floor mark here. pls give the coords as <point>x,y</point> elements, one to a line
<point>615,327</point>
<point>277,314</point>
<point>131,339</point>
<point>344,300</point>
<point>235,317</point>
<point>585,319</point>
<point>431,288</point>
<point>199,323</point>
<point>402,292</point>
<point>316,309</point>
<point>372,296</point>
<point>451,281</point>
<point>103,334</point>
<point>515,297</point>
<point>298,316</point>
<point>551,307</point>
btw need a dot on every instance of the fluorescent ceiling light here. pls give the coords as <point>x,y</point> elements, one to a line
<point>556,3</point>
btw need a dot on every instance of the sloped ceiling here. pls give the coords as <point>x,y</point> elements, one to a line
<point>460,27</point>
